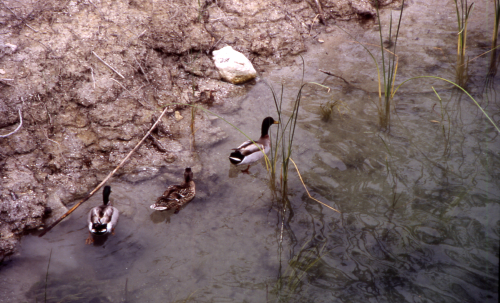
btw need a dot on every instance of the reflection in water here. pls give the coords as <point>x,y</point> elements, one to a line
<point>160,216</point>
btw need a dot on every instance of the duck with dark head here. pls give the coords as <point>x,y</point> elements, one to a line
<point>102,219</point>
<point>249,152</point>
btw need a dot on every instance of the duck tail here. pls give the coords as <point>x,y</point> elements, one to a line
<point>98,228</point>
<point>236,157</point>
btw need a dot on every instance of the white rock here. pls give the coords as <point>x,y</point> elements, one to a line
<point>233,66</point>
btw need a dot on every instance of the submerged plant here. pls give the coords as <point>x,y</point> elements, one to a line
<point>462,68</point>
<point>326,110</point>
<point>298,268</point>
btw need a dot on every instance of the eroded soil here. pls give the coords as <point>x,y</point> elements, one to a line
<point>81,118</point>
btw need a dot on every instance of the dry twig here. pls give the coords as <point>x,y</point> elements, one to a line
<point>107,65</point>
<point>333,75</point>
<point>19,18</point>
<point>308,191</point>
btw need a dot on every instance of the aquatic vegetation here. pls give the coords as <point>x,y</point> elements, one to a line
<point>494,54</point>
<point>326,110</point>
<point>281,150</point>
<point>459,87</point>
<point>389,68</point>
<point>462,68</point>
<point>283,141</point>
<point>298,267</point>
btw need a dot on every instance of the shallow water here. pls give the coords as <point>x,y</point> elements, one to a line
<point>420,212</point>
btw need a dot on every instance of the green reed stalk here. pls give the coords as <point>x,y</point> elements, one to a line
<point>284,139</point>
<point>463,14</point>
<point>389,73</point>
<point>493,61</point>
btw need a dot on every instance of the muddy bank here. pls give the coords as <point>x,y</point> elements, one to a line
<point>90,78</point>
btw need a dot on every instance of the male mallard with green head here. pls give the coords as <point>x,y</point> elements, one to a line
<point>177,195</point>
<point>102,219</point>
<point>248,152</point>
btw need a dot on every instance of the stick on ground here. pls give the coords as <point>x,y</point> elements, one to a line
<point>108,65</point>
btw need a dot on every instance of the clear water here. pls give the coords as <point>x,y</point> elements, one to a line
<point>420,204</point>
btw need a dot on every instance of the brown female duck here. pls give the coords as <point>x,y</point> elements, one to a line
<point>177,195</point>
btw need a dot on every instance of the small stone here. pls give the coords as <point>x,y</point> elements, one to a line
<point>233,66</point>
<point>321,41</point>
<point>178,116</point>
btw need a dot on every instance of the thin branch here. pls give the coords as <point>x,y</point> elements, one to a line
<point>105,179</point>
<point>108,65</point>
<point>20,124</point>
<point>19,18</point>
<point>333,75</point>
<point>11,10</point>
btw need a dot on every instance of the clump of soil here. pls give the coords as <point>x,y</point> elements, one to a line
<point>90,78</point>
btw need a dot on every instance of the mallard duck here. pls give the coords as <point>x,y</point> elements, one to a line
<point>102,219</point>
<point>177,195</point>
<point>248,152</point>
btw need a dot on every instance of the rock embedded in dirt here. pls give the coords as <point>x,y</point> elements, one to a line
<point>233,66</point>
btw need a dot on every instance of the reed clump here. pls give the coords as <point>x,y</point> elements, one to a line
<point>281,150</point>
<point>494,52</point>
<point>463,11</point>
<point>389,68</point>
